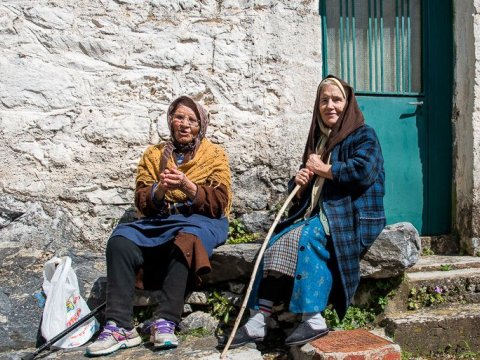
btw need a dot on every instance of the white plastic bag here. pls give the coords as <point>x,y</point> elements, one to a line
<point>64,305</point>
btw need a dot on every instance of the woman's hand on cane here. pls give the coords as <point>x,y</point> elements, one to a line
<point>303,176</point>
<point>317,166</point>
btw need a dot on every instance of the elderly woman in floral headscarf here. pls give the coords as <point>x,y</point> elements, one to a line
<point>314,258</point>
<point>183,192</point>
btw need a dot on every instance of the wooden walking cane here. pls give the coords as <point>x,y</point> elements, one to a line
<point>257,264</point>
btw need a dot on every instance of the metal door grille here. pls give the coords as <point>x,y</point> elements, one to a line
<point>375,45</point>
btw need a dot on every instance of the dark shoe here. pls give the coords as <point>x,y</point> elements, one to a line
<point>304,334</point>
<point>241,338</point>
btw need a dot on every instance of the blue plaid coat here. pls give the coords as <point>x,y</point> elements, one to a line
<point>353,204</point>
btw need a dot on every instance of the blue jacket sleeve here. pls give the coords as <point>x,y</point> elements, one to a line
<point>362,161</point>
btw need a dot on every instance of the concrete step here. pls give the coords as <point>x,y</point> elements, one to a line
<point>437,279</point>
<point>435,263</point>
<point>454,285</point>
<point>448,328</point>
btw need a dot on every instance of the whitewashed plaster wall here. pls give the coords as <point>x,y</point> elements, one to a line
<point>84,86</point>
<point>466,123</point>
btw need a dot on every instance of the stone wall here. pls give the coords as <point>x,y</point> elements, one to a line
<point>84,89</point>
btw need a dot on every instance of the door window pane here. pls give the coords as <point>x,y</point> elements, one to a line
<point>375,45</point>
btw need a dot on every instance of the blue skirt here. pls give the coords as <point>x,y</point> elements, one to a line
<point>157,230</point>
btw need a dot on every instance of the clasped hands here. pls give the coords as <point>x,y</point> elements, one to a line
<point>174,179</point>
<point>314,166</point>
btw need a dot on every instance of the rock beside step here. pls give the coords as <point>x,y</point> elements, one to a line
<point>453,327</point>
<point>396,249</point>
<point>357,344</point>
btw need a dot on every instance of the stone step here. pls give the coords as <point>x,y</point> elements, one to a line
<point>459,281</point>
<point>453,327</point>
<point>436,262</point>
<point>358,344</point>
<point>460,284</point>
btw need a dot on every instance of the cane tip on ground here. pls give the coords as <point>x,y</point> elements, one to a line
<point>242,353</point>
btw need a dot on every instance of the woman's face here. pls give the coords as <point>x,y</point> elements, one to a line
<point>331,105</point>
<point>185,124</point>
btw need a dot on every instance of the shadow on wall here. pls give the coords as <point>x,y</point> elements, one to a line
<point>98,295</point>
<point>129,215</point>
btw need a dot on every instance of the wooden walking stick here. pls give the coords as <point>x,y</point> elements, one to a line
<point>255,268</point>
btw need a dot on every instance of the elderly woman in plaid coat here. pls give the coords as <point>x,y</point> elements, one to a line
<point>314,258</point>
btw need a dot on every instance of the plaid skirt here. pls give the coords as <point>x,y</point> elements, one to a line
<point>282,256</point>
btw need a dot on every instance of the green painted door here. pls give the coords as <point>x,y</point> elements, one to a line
<point>397,54</point>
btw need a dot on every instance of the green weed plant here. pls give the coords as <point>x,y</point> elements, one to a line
<point>364,316</point>
<point>425,297</point>
<point>446,267</point>
<point>238,234</point>
<point>427,251</point>
<point>222,308</point>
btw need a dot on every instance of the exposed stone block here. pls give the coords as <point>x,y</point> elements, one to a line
<point>356,344</point>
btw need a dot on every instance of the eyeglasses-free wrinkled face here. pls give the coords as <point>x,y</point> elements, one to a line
<point>185,124</point>
<point>331,104</point>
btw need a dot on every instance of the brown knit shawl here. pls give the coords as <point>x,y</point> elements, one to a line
<point>350,119</point>
<point>189,150</point>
